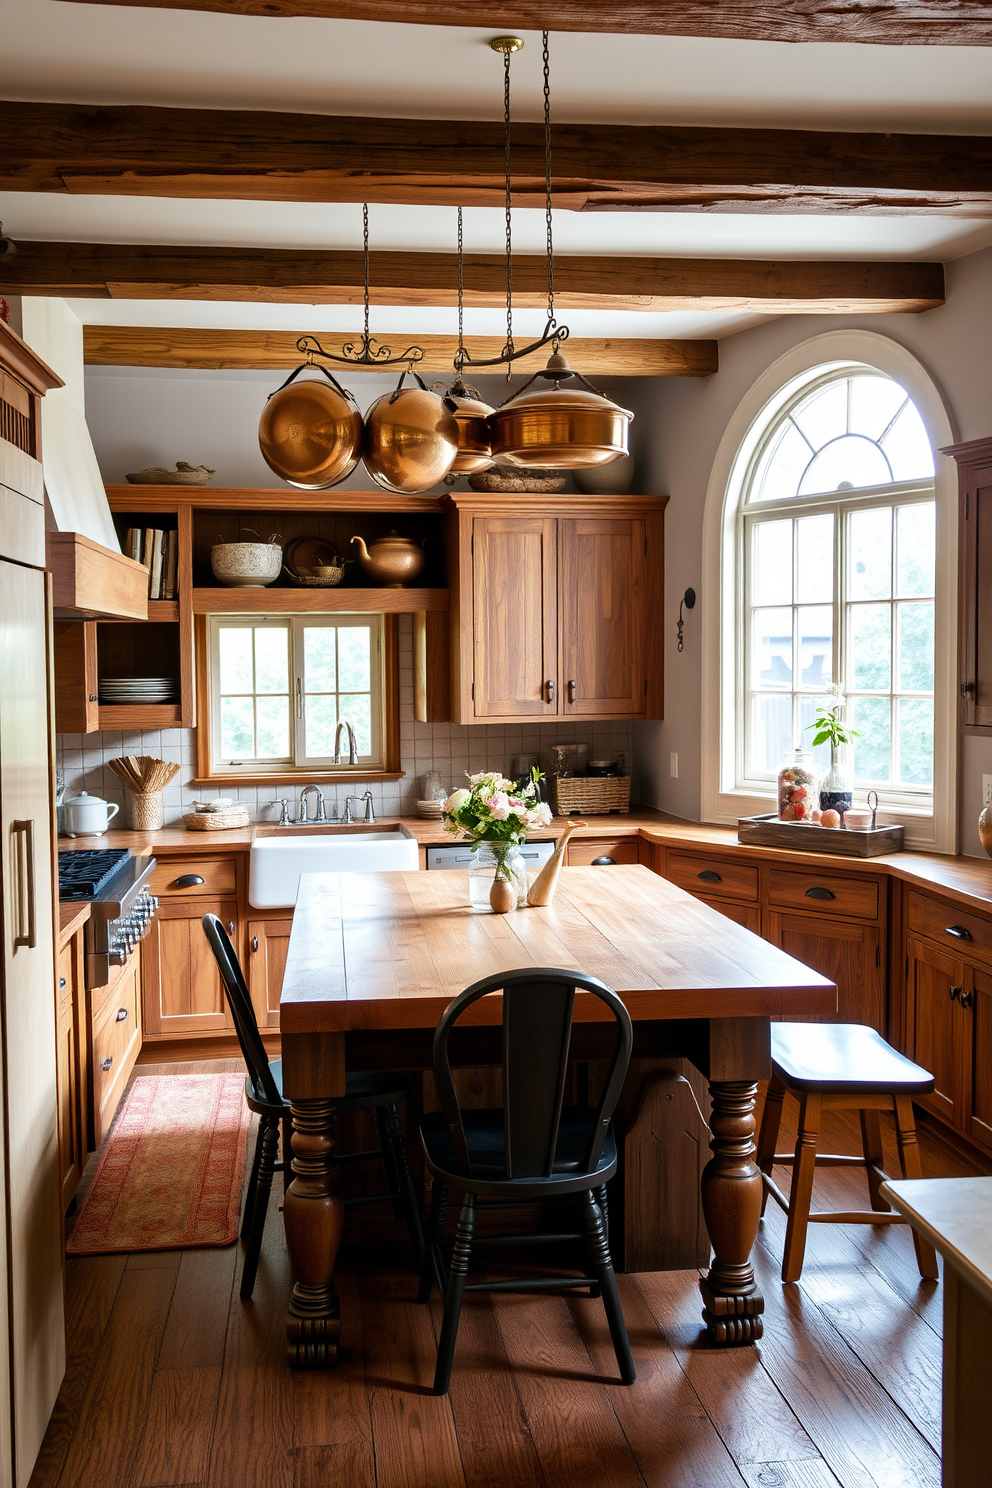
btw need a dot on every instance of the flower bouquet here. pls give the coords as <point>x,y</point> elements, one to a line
<point>497,816</point>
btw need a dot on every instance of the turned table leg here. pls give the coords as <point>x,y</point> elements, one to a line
<point>731,1192</point>
<point>313,1211</point>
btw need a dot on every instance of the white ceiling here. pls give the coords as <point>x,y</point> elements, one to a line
<point>116,54</point>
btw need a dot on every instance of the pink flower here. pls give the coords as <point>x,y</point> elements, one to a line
<point>499,806</point>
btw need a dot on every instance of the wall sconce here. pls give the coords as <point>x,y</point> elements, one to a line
<point>688,602</point>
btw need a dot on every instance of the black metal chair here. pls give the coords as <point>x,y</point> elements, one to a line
<point>530,1150</point>
<point>381,1093</point>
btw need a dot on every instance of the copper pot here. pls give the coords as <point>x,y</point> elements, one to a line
<point>411,439</point>
<point>559,428</point>
<point>472,417</point>
<point>310,432</point>
<point>391,561</point>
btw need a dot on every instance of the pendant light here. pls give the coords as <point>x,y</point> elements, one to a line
<point>556,428</point>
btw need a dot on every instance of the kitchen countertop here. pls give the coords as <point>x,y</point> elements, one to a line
<point>72,917</point>
<point>968,880</point>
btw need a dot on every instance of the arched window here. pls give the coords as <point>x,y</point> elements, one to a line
<point>836,544</point>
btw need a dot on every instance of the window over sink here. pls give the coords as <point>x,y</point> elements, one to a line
<point>279,686</point>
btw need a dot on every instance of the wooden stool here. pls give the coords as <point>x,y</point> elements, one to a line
<point>839,1067</point>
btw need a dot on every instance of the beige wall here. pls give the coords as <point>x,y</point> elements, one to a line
<point>684,422</point>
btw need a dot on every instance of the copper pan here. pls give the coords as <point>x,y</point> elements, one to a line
<point>474,439</point>
<point>411,439</point>
<point>558,428</point>
<point>310,432</point>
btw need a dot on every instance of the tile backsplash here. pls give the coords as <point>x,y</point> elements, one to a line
<point>452,749</point>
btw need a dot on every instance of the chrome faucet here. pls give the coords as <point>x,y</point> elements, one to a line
<point>303,816</point>
<point>352,743</point>
<point>369,808</point>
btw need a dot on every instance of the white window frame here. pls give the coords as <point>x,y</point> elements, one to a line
<point>928,826</point>
<point>298,759</point>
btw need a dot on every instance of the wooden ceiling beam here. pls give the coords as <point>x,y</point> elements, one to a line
<point>141,346</point>
<point>597,282</point>
<point>884,22</point>
<point>232,154</point>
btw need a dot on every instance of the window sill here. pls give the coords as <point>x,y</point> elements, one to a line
<point>297,777</point>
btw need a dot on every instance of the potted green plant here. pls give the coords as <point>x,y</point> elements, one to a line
<point>836,787</point>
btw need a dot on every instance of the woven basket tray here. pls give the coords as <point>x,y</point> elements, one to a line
<point>217,821</point>
<point>595,794</point>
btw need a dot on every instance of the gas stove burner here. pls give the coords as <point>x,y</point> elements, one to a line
<point>83,873</point>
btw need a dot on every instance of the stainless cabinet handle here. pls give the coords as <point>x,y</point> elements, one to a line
<point>188,881</point>
<point>25,885</point>
<point>254,942</point>
<point>121,1015</point>
<point>818,892</point>
<point>107,1062</point>
<point>603,863</point>
<point>550,688</point>
<point>571,690</point>
<point>958,931</point>
<point>709,876</point>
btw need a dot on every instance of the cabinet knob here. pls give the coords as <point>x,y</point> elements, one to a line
<point>230,927</point>
<point>93,697</point>
<point>254,942</point>
<point>967,688</point>
<point>954,993</point>
<point>967,999</point>
<point>818,892</point>
<point>958,931</point>
<point>121,1014</point>
<point>107,1062</point>
<point>188,881</point>
<point>604,862</point>
<point>549,688</point>
<point>709,876</point>
<point>61,983</point>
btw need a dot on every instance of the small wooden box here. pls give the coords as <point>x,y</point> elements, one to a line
<point>768,831</point>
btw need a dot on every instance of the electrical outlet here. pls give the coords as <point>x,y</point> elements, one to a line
<point>673,766</point>
<point>987,790</point>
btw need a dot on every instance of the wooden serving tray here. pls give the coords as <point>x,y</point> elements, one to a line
<point>768,831</point>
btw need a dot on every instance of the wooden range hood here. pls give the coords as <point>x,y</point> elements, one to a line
<point>91,582</point>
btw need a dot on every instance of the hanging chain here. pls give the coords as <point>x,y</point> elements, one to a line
<point>365,234</point>
<point>547,183</point>
<point>460,357</point>
<point>509,270</point>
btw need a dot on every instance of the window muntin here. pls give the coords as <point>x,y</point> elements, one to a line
<point>280,685</point>
<point>838,584</point>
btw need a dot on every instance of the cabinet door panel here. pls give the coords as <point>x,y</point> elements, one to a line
<point>515,617</point>
<point>601,579</point>
<point>748,915</point>
<point>268,947</point>
<point>181,986</point>
<point>980,1102</point>
<point>848,954</point>
<point>935,1020</point>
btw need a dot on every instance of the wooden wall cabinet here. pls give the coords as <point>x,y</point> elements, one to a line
<point>71,1068</point>
<point>555,608</point>
<point>974,461</point>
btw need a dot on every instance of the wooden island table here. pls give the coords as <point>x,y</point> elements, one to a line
<point>375,958</point>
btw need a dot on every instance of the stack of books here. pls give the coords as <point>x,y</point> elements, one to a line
<point>159,552</point>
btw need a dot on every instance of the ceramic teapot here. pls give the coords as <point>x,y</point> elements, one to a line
<point>391,561</point>
<point>87,816</point>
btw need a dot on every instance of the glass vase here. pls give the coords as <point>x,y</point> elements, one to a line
<point>489,861</point>
<point>797,787</point>
<point>836,787</point>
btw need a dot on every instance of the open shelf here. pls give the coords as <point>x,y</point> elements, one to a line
<point>140,715</point>
<point>285,601</point>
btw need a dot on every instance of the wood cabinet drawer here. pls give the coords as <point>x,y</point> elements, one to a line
<point>953,929</point>
<point>65,973</point>
<point>815,891</point>
<point>116,1042</point>
<point>585,851</point>
<point>189,877</point>
<point>701,874</point>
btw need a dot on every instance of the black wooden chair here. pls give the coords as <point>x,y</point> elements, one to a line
<point>531,1150</point>
<point>381,1093</point>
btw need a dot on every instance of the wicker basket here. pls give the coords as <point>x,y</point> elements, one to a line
<point>217,821</point>
<point>146,810</point>
<point>595,795</point>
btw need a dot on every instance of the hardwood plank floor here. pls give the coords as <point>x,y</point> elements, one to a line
<point>173,1382</point>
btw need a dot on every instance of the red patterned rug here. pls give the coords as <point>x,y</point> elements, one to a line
<point>171,1175</point>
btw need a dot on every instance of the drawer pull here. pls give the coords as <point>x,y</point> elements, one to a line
<point>549,687</point>
<point>254,942</point>
<point>709,876</point>
<point>121,1015</point>
<point>604,862</point>
<point>61,983</point>
<point>188,881</point>
<point>572,690</point>
<point>958,931</point>
<point>107,1062</point>
<point>954,993</point>
<point>818,892</point>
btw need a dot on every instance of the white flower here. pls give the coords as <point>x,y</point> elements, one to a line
<point>539,815</point>
<point>456,800</point>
